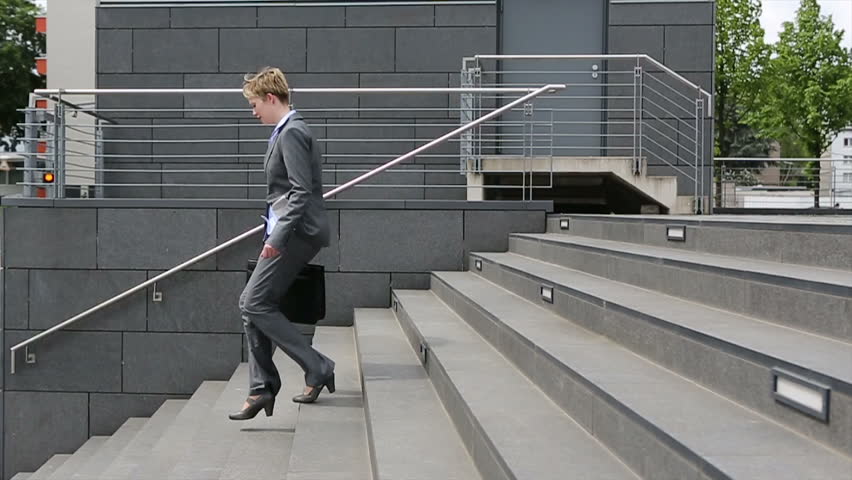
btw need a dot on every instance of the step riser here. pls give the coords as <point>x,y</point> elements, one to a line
<point>803,305</point>
<point>803,245</point>
<point>638,444</point>
<point>483,453</point>
<point>742,376</point>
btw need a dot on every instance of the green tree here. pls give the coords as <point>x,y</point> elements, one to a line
<point>741,56</point>
<point>807,97</point>
<point>19,46</point>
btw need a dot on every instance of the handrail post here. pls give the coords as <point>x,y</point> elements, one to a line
<point>31,131</point>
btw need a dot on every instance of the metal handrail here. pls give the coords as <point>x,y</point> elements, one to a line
<point>530,95</point>
<point>101,91</point>
<point>648,58</point>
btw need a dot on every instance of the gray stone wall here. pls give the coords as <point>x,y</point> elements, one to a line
<point>681,36</point>
<point>316,46</point>
<point>62,257</point>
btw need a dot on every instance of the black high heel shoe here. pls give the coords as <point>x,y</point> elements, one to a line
<point>264,402</point>
<point>315,391</point>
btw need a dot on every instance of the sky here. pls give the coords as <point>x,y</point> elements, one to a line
<point>775,12</point>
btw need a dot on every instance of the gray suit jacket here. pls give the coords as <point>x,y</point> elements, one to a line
<point>293,168</point>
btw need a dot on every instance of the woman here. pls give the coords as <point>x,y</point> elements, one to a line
<point>296,230</point>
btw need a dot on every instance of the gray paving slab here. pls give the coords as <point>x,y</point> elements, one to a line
<point>829,358</point>
<point>813,299</point>
<point>70,466</point>
<point>138,450</point>
<point>520,428</point>
<point>411,435</point>
<point>114,444</point>
<point>261,447</point>
<point>331,434</point>
<point>712,433</point>
<point>175,441</point>
<point>837,280</point>
<point>50,466</point>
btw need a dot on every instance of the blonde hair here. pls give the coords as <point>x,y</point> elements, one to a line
<point>267,80</point>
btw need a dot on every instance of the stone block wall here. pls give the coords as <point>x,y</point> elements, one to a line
<point>317,46</point>
<point>62,257</point>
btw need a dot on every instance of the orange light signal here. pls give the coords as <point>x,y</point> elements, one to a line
<point>48,177</point>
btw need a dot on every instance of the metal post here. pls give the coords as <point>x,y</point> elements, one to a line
<point>99,159</point>
<point>637,73</point>
<point>698,182</point>
<point>637,165</point>
<point>59,182</point>
<point>465,117</point>
<point>31,146</point>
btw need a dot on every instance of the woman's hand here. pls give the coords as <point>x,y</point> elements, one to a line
<point>269,251</point>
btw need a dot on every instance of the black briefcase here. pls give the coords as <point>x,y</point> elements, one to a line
<point>304,301</point>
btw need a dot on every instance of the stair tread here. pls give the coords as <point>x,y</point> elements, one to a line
<point>107,452</point>
<point>535,438</point>
<point>331,435</point>
<point>734,439</point>
<point>22,476</point>
<point>137,450</point>
<point>178,436</point>
<point>78,459</point>
<point>50,466</point>
<point>395,384</point>
<point>257,448</point>
<point>839,280</point>
<point>824,356</point>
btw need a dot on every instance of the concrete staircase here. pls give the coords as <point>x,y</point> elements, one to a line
<point>602,349</point>
<point>607,348</point>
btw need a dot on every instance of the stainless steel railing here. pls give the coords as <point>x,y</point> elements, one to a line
<point>203,142</point>
<point>783,183</point>
<point>627,106</point>
<point>546,89</point>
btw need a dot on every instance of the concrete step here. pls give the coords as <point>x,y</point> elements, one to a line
<point>814,299</point>
<point>106,454</point>
<point>49,467</point>
<point>70,466</point>
<point>23,476</point>
<point>660,424</point>
<point>727,352</point>
<point>410,433</point>
<point>817,241</point>
<point>177,439</point>
<point>512,428</point>
<point>331,435</point>
<point>139,449</point>
<point>257,448</point>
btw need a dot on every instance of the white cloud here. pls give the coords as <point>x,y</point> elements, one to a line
<point>775,12</point>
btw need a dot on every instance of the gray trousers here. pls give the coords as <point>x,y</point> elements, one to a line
<point>266,327</point>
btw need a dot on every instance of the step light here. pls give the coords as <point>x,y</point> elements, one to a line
<point>477,264</point>
<point>676,233</point>
<point>546,293</point>
<point>564,224</point>
<point>805,395</point>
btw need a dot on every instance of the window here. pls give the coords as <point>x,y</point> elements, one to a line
<point>847,178</point>
<point>847,142</point>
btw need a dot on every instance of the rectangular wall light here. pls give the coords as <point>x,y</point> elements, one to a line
<point>676,233</point>
<point>805,395</point>
<point>564,223</point>
<point>546,293</point>
<point>477,264</point>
